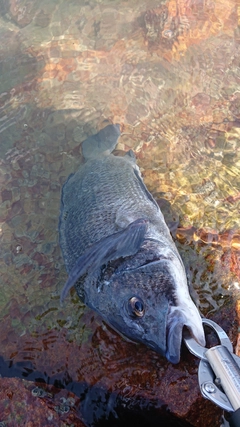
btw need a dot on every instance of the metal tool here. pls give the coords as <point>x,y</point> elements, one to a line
<point>218,372</point>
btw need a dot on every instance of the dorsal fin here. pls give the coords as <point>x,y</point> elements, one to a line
<point>102,142</point>
<point>130,154</point>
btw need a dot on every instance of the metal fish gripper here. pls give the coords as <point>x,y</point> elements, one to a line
<point>218,371</point>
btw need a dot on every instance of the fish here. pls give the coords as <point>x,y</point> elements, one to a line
<point>119,253</point>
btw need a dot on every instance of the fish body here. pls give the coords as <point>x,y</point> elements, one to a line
<point>119,253</point>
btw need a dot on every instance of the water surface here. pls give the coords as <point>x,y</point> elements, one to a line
<point>169,73</point>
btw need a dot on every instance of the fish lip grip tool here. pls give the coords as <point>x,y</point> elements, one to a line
<point>218,371</point>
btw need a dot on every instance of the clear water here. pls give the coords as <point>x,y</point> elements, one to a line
<point>169,73</point>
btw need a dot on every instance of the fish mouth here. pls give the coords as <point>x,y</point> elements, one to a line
<point>174,333</point>
<point>176,323</point>
<point>177,320</point>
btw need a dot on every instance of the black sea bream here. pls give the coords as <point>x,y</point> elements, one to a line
<point>119,253</point>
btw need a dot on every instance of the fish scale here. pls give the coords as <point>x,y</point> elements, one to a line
<point>95,201</point>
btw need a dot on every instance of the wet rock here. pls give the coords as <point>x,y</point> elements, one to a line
<point>154,21</point>
<point>78,134</point>
<point>23,11</point>
<point>42,19</point>
<point>116,383</point>
<point>235,105</point>
<point>201,101</point>
<point>19,402</point>
<point>6,195</point>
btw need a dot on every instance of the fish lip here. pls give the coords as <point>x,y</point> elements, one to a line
<point>176,322</point>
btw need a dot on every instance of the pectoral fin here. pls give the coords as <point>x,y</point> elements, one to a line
<point>121,244</point>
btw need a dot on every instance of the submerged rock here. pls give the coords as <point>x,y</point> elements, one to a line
<point>110,382</point>
<point>19,405</point>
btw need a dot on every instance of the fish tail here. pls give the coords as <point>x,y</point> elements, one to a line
<point>103,142</point>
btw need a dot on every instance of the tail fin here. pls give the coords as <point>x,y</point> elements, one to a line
<point>103,142</point>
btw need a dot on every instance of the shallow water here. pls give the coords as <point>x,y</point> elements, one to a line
<point>169,73</point>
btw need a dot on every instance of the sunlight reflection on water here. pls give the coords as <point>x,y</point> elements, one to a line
<point>169,73</point>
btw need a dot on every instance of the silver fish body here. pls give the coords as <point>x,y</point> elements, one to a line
<point>119,253</point>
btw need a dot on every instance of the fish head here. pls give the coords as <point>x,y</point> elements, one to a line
<point>150,304</point>
<point>136,311</point>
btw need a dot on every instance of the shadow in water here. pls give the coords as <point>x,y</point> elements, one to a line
<point>98,407</point>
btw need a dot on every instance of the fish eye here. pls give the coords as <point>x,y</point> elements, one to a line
<point>136,306</point>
